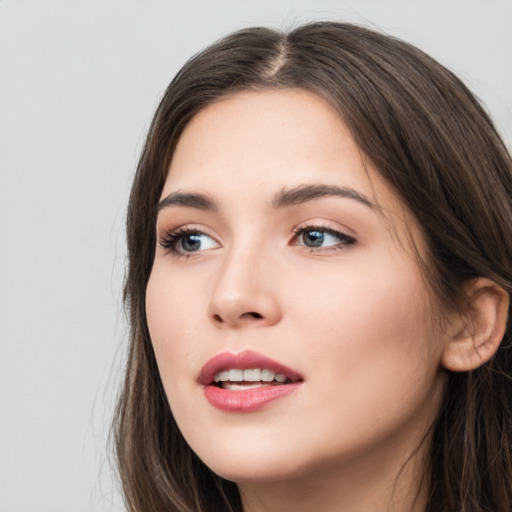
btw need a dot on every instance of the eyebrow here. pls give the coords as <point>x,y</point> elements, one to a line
<point>282,199</point>
<point>189,200</point>
<point>305,193</point>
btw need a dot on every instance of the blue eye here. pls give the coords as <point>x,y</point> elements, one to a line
<point>185,241</point>
<point>314,237</point>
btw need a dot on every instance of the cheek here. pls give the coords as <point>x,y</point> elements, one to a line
<point>374,323</point>
<point>173,330</point>
<point>170,317</point>
<point>365,298</point>
<point>370,338</point>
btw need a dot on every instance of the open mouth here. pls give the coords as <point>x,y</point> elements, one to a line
<point>248,369</point>
<point>246,381</point>
<point>236,379</point>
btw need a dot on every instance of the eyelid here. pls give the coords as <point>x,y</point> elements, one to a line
<point>326,224</point>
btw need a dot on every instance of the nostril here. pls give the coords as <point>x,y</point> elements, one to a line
<point>250,315</point>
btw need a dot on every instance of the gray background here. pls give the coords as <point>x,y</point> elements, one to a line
<point>78,84</point>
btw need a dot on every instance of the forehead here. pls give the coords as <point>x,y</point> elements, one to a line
<point>249,145</point>
<point>264,131</point>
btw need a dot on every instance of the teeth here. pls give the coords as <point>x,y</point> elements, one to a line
<point>253,375</point>
<point>249,375</point>
<point>267,375</point>
<point>221,377</point>
<point>236,375</point>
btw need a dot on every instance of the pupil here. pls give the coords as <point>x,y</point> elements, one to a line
<point>191,242</point>
<point>314,238</point>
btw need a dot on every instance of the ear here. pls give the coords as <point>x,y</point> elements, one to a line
<point>478,334</point>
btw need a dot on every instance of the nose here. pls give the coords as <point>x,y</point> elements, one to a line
<point>245,292</point>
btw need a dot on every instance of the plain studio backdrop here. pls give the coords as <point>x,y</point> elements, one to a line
<point>79,81</point>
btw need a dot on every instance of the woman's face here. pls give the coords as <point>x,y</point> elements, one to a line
<point>284,264</point>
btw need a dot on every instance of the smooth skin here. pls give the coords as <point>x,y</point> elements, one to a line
<point>327,285</point>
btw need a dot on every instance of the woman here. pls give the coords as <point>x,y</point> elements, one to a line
<point>319,235</point>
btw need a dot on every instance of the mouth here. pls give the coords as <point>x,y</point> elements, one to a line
<point>236,379</point>
<point>245,368</point>
<point>246,381</point>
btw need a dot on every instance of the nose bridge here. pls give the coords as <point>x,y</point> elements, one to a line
<point>244,291</point>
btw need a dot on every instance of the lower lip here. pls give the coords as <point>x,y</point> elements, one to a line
<point>247,400</point>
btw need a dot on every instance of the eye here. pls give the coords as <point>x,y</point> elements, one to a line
<point>315,237</point>
<point>183,241</point>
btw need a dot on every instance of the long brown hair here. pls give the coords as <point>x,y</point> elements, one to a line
<point>430,138</point>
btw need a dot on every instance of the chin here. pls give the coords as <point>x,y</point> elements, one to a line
<point>256,473</point>
<point>257,464</point>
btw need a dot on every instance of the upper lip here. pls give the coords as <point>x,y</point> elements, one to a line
<point>243,361</point>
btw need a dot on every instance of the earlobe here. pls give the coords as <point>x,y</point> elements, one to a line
<point>478,339</point>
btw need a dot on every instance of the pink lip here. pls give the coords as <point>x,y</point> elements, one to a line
<point>243,361</point>
<point>248,400</point>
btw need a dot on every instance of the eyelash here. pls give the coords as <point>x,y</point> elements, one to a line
<point>344,239</point>
<point>170,239</point>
